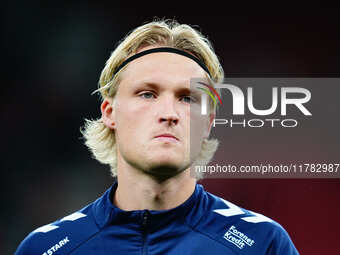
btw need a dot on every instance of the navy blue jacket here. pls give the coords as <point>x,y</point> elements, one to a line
<point>204,224</point>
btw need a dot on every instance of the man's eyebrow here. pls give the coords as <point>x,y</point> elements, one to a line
<point>156,85</point>
<point>189,92</point>
<point>152,85</point>
<point>184,90</point>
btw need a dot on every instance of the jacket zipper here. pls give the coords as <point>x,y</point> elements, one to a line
<point>144,232</point>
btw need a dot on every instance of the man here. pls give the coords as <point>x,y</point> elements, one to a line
<point>155,206</point>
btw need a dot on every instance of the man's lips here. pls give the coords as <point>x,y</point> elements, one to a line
<point>167,137</point>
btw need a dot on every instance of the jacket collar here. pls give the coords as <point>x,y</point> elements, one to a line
<point>106,213</point>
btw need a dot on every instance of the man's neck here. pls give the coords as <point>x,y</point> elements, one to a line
<point>138,191</point>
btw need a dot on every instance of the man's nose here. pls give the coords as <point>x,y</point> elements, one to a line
<point>170,119</point>
<point>167,111</point>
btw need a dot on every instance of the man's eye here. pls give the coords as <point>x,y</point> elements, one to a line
<point>187,99</point>
<point>147,95</point>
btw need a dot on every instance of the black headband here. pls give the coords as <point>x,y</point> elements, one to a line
<point>162,49</point>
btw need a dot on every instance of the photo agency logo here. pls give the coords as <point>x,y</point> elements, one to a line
<point>247,97</point>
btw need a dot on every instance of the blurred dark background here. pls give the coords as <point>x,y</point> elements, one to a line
<point>52,57</point>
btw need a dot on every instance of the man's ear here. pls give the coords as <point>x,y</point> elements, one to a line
<point>210,122</point>
<point>108,113</point>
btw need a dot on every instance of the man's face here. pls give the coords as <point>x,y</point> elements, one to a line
<point>152,113</point>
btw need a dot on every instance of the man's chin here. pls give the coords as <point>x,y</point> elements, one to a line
<point>164,171</point>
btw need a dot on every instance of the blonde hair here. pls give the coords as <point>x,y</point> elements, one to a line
<point>100,139</point>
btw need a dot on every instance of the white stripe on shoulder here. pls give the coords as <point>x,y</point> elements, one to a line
<point>231,211</point>
<point>235,210</point>
<point>49,227</point>
<point>73,216</point>
<point>257,218</point>
<point>45,229</point>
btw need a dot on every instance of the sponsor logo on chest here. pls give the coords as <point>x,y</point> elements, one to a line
<point>57,246</point>
<point>238,238</point>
